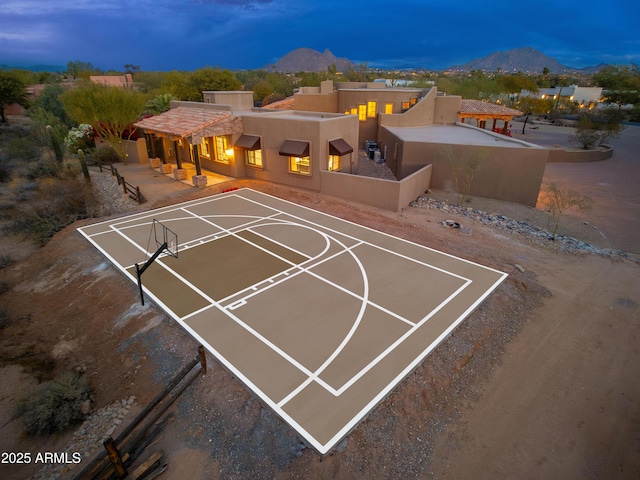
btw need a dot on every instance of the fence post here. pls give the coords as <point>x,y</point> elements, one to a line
<point>138,195</point>
<point>124,185</point>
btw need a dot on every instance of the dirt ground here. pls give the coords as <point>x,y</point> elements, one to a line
<point>541,381</point>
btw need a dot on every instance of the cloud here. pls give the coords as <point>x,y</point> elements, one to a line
<point>244,4</point>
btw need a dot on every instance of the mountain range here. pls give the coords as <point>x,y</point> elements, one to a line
<point>309,60</point>
<point>526,59</point>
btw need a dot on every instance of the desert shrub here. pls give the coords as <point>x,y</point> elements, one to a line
<point>23,148</point>
<point>557,199</point>
<point>103,155</point>
<point>5,261</point>
<point>80,137</point>
<point>58,202</point>
<point>5,172</point>
<point>595,128</point>
<point>56,405</point>
<point>4,319</point>
<point>43,168</point>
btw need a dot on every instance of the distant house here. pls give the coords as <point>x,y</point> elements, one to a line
<point>121,81</point>
<point>313,141</point>
<point>587,97</point>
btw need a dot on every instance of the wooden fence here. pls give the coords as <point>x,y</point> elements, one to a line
<point>128,189</point>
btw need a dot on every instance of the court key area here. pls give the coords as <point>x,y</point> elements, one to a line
<point>321,318</point>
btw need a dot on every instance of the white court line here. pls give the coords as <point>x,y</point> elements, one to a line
<point>315,376</point>
<point>325,446</point>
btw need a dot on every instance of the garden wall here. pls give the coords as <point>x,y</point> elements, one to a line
<point>390,195</point>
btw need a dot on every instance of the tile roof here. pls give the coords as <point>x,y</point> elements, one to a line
<point>478,107</point>
<point>185,122</point>
<point>286,104</point>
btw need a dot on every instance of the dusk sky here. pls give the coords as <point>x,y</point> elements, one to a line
<point>248,34</point>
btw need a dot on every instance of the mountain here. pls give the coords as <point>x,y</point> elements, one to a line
<point>309,60</point>
<point>35,68</point>
<point>524,59</point>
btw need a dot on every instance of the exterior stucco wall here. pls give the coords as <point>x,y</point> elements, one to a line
<point>386,194</point>
<point>274,128</point>
<point>317,102</point>
<point>237,100</point>
<point>512,174</point>
<point>431,109</point>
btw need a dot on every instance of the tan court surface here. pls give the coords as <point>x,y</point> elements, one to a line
<point>319,317</point>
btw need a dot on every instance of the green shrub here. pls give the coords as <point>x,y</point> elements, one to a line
<point>56,405</point>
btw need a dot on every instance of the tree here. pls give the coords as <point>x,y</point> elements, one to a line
<point>49,100</point>
<point>557,200</point>
<point>621,84</point>
<point>159,104</point>
<point>78,69</point>
<point>131,68</point>
<point>517,83</point>
<point>12,90</point>
<point>109,110</point>
<point>190,85</point>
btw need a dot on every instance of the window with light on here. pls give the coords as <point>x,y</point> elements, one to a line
<point>300,165</point>
<point>254,158</point>
<point>204,148</point>
<point>334,163</point>
<point>372,109</point>
<point>224,150</point>
<point>362,113</point>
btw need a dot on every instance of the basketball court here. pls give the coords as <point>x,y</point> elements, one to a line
<point>321,318</point>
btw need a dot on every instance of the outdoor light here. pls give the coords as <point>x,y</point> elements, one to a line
<point>229,152</point>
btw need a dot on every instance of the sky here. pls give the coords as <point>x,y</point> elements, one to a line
<point>249,34</point>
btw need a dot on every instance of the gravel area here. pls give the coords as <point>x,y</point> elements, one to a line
<point>529,231</point>
<point>111,199</point>
<point>88,438</point>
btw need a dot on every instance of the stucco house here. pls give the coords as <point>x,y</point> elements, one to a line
<point>315,144</point>
<point>587,97</point>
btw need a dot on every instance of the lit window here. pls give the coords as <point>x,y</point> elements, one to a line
<point>224,152</point>
<point>372,108</point>
<point>204,148</point>
<point>362,112</point>
<point>406,105</point>
<point>388,108</point>
<point>254,157</point>
<point>354,110</point>
<point>334,163</point>
<point>300,165</point>
<point>414,100</point>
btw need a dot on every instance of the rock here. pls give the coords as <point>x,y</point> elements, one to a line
<point>519,267</point>
<point>85,407</point>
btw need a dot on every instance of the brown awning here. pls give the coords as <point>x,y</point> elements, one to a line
<point>248,142</point>
<point>339,147</point>
<point>294,148</point>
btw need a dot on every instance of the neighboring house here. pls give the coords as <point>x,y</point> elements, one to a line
<point>587,97</point>
<point>315,145</point>
<point>121,81</point>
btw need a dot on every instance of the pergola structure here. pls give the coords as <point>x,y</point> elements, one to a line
<point>483,111</point>
<point>184,128</point>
